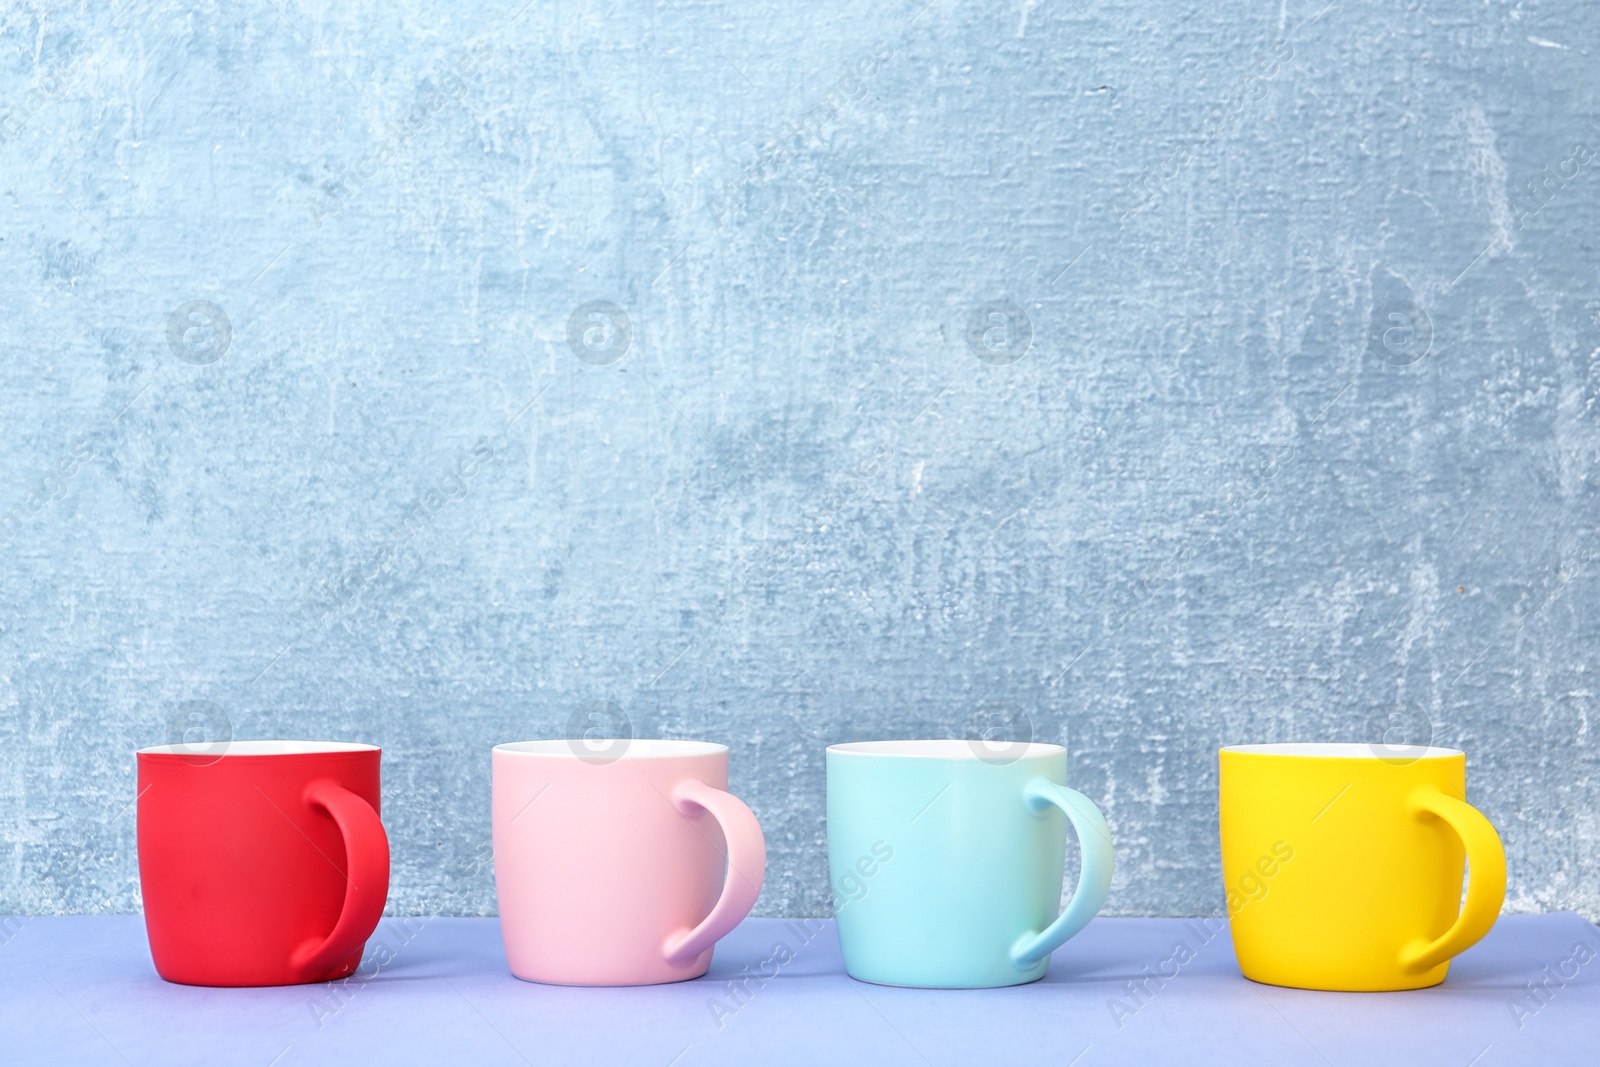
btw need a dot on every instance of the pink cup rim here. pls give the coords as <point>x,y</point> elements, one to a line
<point>636,748</point>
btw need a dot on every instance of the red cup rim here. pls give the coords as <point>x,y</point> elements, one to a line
<point>262,749</point>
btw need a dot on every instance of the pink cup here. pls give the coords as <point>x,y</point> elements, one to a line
<point>610,868</point>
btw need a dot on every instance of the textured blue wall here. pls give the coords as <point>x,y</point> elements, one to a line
<point>1145,377</point>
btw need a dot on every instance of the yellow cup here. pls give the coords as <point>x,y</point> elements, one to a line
<point>1343,864</point>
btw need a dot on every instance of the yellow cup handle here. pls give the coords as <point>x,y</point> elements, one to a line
<point>1486,885</point>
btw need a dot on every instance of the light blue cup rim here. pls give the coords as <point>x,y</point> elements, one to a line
<point>947,749</point>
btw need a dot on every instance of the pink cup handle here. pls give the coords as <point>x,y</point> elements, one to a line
<point>747,867</point>
<point>366,849</point>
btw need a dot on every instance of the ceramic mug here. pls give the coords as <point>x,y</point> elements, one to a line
<point>623,870</point>
<point>947,861</point>
<point>264,865</point>
<point>1343,864</point>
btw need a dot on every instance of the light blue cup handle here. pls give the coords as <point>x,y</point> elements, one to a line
<point>1094,881</point>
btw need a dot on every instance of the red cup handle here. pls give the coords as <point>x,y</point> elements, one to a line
<point>747,868</point>
<point>366,849</point>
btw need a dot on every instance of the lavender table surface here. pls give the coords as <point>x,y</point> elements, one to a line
<point>81,990</point>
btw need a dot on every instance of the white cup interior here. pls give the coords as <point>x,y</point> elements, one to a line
<point>611,748</point>
<point>947,749</point>
<point>256,748</point>
<point>1346,750</point>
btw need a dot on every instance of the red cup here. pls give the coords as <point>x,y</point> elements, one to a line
<point>265,865</point>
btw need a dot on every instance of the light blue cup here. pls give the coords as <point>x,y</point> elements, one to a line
<point>946,859</point>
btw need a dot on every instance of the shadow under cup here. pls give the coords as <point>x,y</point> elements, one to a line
<point>1343,864</point>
